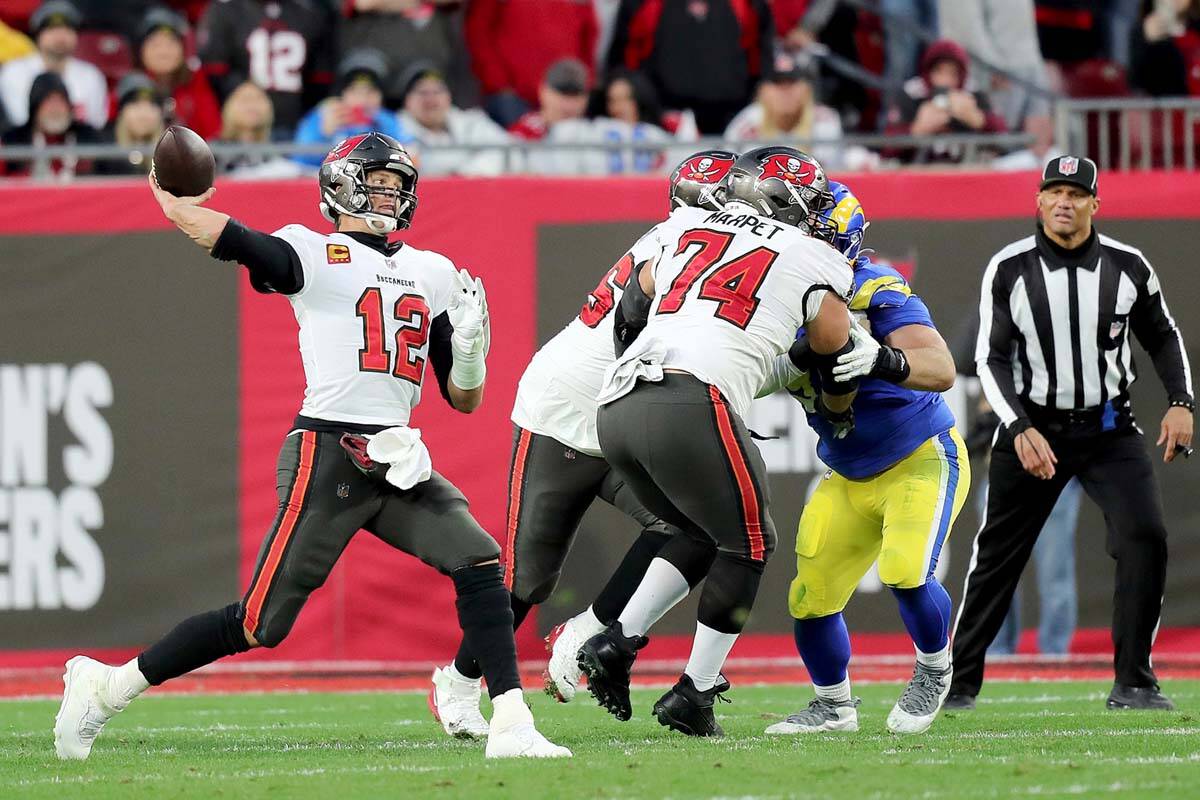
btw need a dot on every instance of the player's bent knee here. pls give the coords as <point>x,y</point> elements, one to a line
<point>898,570</point>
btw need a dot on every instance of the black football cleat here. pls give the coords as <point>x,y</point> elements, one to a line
<point>690,711</point>
<point>959,702</point>
<point>1139,698</point>
<point>607,659</point>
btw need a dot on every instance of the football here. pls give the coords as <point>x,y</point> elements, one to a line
<point>183,162</point>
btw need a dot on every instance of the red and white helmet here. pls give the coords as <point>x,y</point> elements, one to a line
<point>343,181</point>
<point>702,179</point>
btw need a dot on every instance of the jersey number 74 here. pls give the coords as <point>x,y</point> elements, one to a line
<point>733,285</point>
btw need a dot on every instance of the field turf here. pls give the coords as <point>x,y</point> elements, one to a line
<point>1024,739</point>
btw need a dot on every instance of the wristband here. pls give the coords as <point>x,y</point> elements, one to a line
<point>468,370</point>
<point>1019,426</point>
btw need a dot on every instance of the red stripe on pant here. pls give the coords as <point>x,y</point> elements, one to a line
<point>751,511</point>
<point>287,526</point>
<point>516,482</point>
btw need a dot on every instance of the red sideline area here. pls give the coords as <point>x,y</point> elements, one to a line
<point>758,658</point>
<point>377,606</point>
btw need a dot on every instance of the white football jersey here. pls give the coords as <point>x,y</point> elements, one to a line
<point>731,290</point>
<point>365,321</point>
<point>557,393</point>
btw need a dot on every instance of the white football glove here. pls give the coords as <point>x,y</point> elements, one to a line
<point>472,337</point>
<point>859,362</point>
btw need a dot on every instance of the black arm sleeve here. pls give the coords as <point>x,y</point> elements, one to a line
<point>632,313</point>
<point>272,263</point>
<point>1157,332</point>
<point>440,354</point>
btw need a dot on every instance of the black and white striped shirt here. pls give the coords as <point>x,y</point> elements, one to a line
<point>1054,328</point>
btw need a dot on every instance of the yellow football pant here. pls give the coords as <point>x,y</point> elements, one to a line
<point>901,516</point>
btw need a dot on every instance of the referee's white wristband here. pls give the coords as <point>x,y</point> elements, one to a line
<point>469,370</point>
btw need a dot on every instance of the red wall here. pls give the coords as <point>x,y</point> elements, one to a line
<point>379,605</point>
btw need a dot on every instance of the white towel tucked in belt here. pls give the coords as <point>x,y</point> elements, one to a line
<point>406,454</point>
<point>642,361</point>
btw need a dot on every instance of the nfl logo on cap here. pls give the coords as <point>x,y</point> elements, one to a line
<point>1068,165</point>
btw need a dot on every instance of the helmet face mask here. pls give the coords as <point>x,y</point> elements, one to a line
<point>702,180</point>
<point>345,190</point>
<point>786,185</point>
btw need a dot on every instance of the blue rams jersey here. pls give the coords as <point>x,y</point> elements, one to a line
<point>890,421</point>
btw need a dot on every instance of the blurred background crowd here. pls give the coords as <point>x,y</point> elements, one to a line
<point>477,87</point>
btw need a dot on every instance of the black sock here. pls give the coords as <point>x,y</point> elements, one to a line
<point>196,641</point>
<point>729,593</point>
<point>611,601</point>
<point>464,660</point>
<point>486,616</point>
<point>690,553</point>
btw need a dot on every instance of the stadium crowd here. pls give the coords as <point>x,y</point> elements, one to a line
<point>644,73</point>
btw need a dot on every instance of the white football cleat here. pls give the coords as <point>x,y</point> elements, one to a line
<point>84,708</point>
<point>513,733</point>
<point>562,673</point>
<point>454,702</point>
<point>821,715</point>
<point>921,701</point>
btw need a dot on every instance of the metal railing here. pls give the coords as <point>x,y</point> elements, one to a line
<point>519,157</point>
<point>1130,132</point>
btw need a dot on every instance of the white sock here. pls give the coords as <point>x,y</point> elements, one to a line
<point>710,648</point>
<point>836,693</point>
<point>125,683</point>
<point>588,623</point>
<point>661,588</point>
<point>509,709</point>
<point>453,672</point>
<point>939,660</point>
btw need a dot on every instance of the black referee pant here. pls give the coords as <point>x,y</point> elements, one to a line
<point>1114,469</point>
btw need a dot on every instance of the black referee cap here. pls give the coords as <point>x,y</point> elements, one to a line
<point>1074,170</point>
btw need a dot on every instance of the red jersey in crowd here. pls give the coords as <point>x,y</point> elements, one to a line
<point>512,42</point>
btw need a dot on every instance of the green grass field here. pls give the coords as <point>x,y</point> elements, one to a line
<point>1044,740</point>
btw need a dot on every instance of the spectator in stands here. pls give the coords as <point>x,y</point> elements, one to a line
<point>139,122</point>
<point>356,108</point>
<point>55,26</point>
<point>285,46</point>
<point>160,53</point>
<point>1069,31</point>
<point>562,96</point>
<point>408,32</point>
<point>937,102</point>
<point>513,42</point>
<point>247,119</point>
<point>901,46</point>
<point>807,28</point>
<point>1003,34</point>
<point>706,56</point>
<point>51,122</point>
<point>626,110</point>
<point>1166,50</point>
<point>430,116</point>
<point>787,108</point>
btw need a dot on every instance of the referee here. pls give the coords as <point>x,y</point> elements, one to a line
<point>1054,358</point>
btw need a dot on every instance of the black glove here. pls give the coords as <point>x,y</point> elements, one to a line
<point>842,421</point>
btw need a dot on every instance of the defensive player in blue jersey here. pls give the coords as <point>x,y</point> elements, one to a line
<point>897,480</point>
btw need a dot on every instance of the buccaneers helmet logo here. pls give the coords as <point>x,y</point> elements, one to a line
<point>705,169</point>
<point>788,169</point>
<point>345,147</point>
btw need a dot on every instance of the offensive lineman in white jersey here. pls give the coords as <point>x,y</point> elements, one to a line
<point>558,469</point>
<point>371,313</point>
<point>715,315</point>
